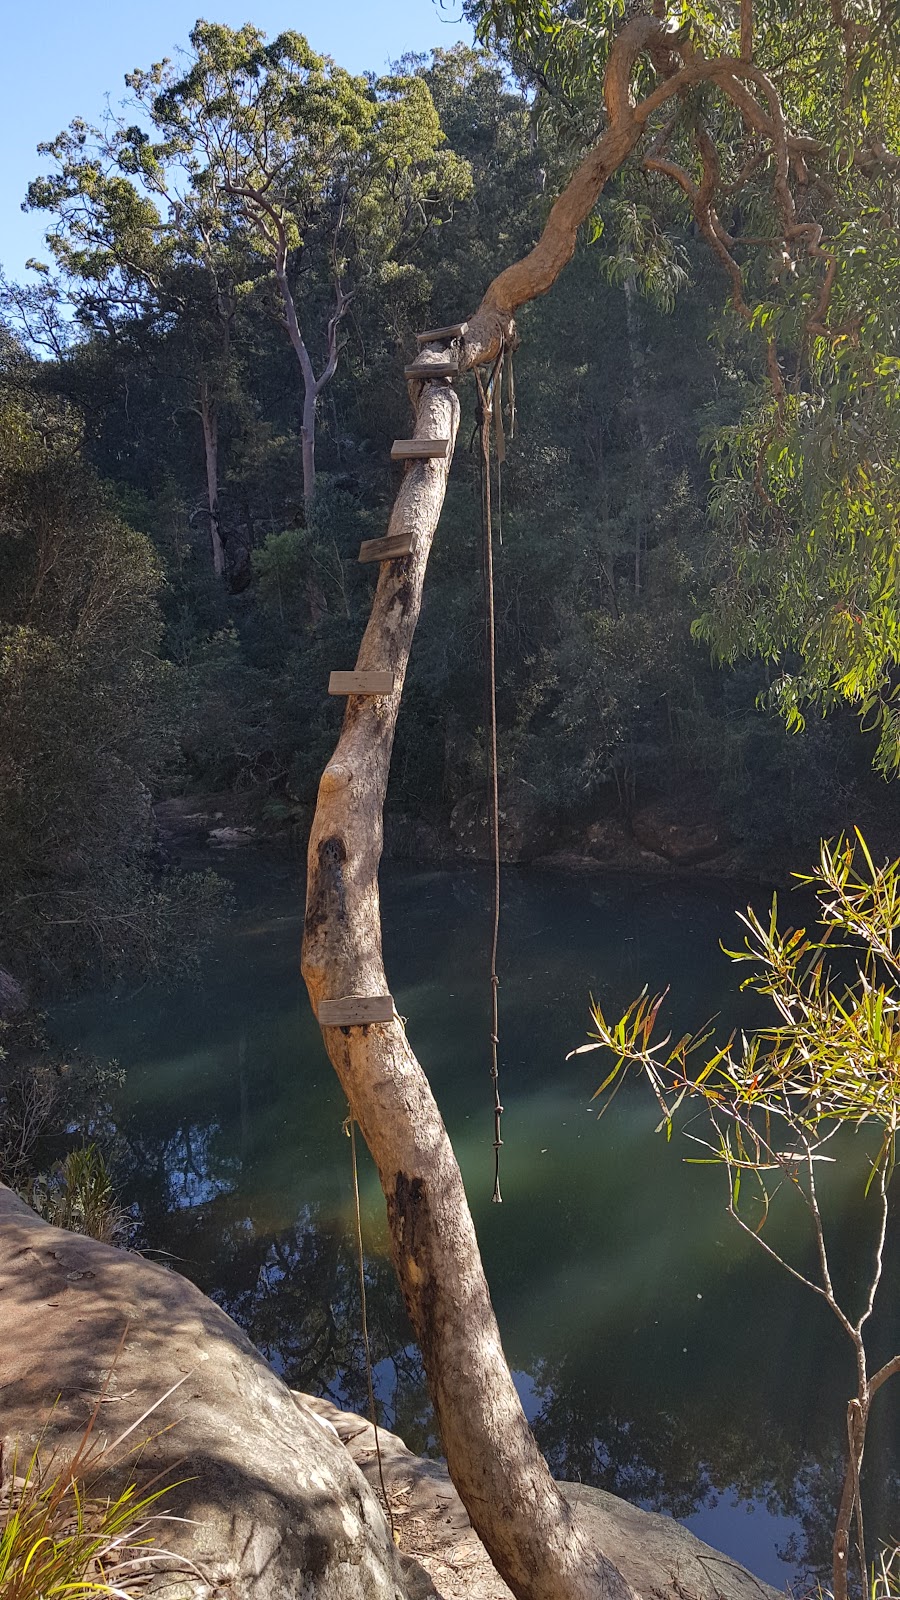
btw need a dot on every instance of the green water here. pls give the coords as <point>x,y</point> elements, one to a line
<point>657,1352</point>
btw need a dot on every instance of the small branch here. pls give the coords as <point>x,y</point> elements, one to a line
<point>882,1375</point>
<point>746,30</point>
<point>879,1250</point>
<point>343,303</point>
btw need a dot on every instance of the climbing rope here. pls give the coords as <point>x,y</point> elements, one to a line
<point>486,402</point>
<point>350,1128</point>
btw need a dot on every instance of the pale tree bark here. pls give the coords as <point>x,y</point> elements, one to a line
<point>209,421</point>
<point>312,385</point>
<point>524,1522</point>
<point>494,1461</point>
<point>270,221</point>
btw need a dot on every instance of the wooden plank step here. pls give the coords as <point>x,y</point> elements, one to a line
<point>355,1010</point>
<point>390,548</point>
<point>423,370</point>
<point>361,683</point>
<point>420,449</point>
<point>435,335</point>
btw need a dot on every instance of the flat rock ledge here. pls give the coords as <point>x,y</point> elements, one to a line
<point>279,1490</point>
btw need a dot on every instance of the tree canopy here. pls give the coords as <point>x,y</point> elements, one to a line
<point>782,143</point>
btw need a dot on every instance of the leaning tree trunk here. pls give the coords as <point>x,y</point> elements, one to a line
<point>516,1508</point>
<point>504,1483</point>
<point>501,1476</point>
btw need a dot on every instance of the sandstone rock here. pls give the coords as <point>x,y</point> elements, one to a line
<point>278,1509</point>
<point>660,1559</point>
<point>524,831</point>
<point>610,843</point>
<point>680,830</point>
<point>231,838</point>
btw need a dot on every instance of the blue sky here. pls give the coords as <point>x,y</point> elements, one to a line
<point>62,58</point>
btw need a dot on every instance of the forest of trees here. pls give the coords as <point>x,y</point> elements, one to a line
<point>199,391</point>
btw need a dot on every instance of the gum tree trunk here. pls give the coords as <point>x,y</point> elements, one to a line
<point>497,1468</point>
<point>502,1479</point>
<point>210,423</point>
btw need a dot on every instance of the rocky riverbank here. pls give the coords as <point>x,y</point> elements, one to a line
<point>660,835</point>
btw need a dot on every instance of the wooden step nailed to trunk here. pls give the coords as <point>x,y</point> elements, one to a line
<point>422,371</point>
<point>420,449</point>
<point>439,335</point>
<point>355,1010</point>
<point>390,548</point>
<point>361,683</point>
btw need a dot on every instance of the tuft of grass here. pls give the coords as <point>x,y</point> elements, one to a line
<point>57,1538</point>
<point>79,1195</point>
<point>62,1536</point>
<point>885,1583</point>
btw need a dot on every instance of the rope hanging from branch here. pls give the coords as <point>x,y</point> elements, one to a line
<point>350,1128</point>
<point>486,402</point>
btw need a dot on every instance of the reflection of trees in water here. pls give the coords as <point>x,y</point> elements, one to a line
<point>621,1410</point>
<point>686,1456</point>
<point>303,1312</point>
<point>294,1290</point>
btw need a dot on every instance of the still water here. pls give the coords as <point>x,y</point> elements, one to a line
<point>657,1352</point>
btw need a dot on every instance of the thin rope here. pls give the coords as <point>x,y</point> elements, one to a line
<point>365,1322</point>
<point>491,673</point>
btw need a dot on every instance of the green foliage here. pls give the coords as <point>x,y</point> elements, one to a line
<point>608,553</point>
<point>87,711</point>
<point>773,1107</point>
<point>775,1097</point>
<point>805,488</point>
<point>55,1541</point>
<point>350,161</point>
<point>78,1194</point>
<point>806,495</point>
<point>47,1100</point>
<point>62,1532</point>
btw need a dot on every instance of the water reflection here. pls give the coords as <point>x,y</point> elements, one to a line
<point>658,1355</point>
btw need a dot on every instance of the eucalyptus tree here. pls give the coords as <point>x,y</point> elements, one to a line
<point>334,179</point>
<point>806,228</point>
<point>143,254</point>
<point>778,133</point>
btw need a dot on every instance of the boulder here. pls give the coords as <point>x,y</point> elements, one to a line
<point>683,830</point>
<point>278,1510</point>
<point>525,832</point>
